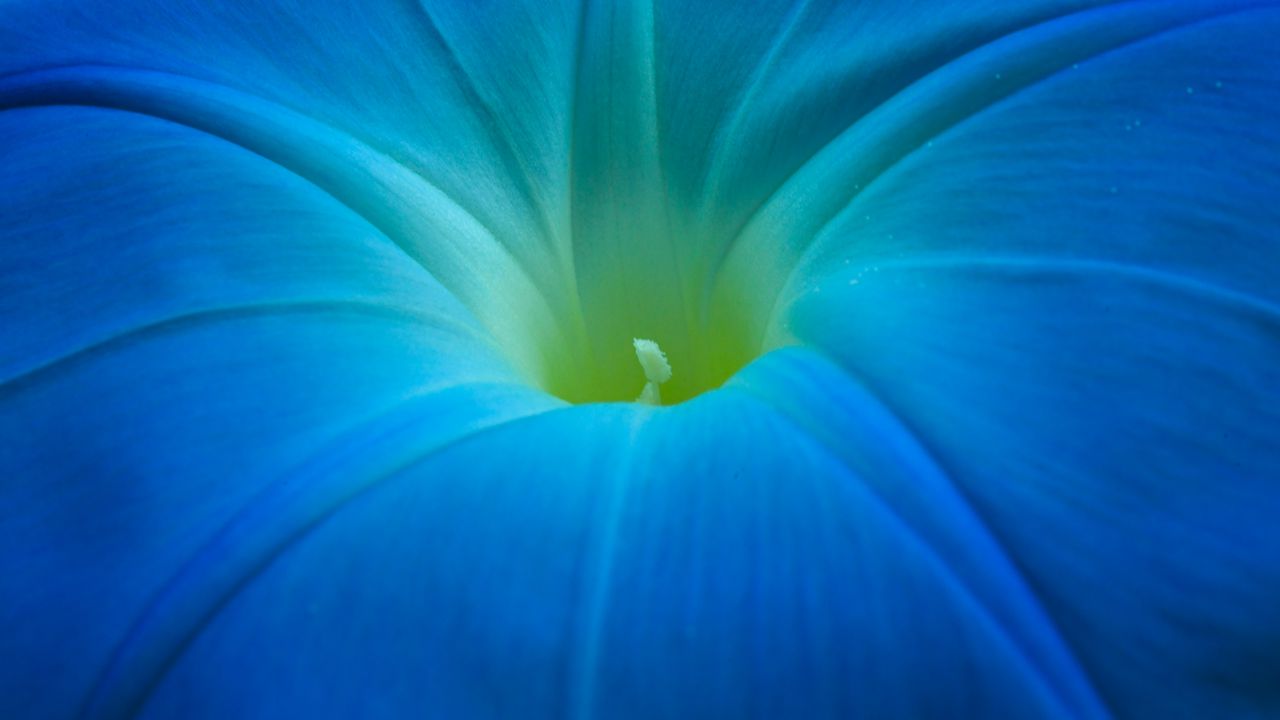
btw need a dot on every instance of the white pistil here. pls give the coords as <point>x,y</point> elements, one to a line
<point>656,370</point>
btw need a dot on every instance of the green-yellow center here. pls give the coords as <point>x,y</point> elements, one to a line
<point>616,327</point>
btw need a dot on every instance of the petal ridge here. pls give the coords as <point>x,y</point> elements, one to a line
<point>286,511</point>
<point>386,193</point>
<point>909,448</point>
<point>184,321</point>
<point>933,89</point>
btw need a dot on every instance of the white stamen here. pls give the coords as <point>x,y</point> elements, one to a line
<point>656,370</point>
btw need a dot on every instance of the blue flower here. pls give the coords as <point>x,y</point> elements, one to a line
<point>319,326</point>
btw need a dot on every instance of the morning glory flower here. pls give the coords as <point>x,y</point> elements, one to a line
<point>632,359</point>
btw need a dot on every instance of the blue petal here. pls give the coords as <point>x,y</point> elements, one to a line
<point>417,81</point>
<point>178,337</point>
<point>401,122</point>
<point>612,561</point>
<point>261,457</point>
<point>1072,70</point>
<point>1069,298</point>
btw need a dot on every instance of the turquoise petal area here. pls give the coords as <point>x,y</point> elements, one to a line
<point>396,119</point>
<point>119,224</point>
<point>179,338</point>
<point>282,286</point>
<point>663,563</point>
<point>417,82</point>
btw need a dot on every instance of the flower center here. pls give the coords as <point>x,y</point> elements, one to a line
<point>578,332</point>
<point>618,353</point>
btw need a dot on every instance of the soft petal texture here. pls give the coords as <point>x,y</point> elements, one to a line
<point>1084,326</point>
<point>771,579</point>
<point>183,336</point>
<point>274,276</point>
<point>1139,504</point>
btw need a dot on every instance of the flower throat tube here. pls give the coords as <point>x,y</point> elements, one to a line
<point>639,359</point>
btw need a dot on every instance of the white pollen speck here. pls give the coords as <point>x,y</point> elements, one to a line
<point>1218,84</point>
<point>656,370</point>
<point>1191,90</point>
<point>652,360</point>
